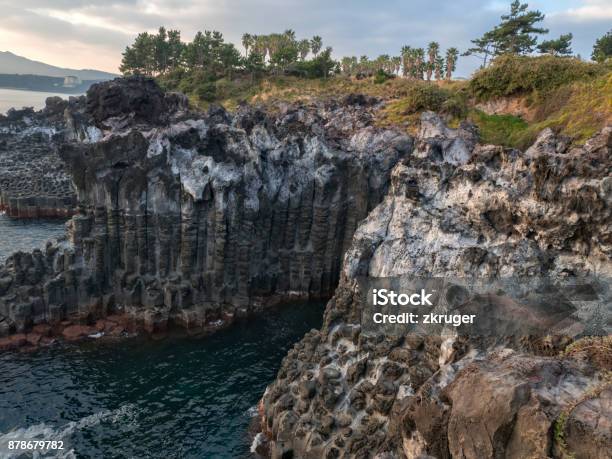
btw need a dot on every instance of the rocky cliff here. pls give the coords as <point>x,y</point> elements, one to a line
<point>33,180</point>
<point>458,209</point>
<point>195,218</point>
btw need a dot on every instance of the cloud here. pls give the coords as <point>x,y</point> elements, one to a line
<point>96,32</point>
<point>589,11</point>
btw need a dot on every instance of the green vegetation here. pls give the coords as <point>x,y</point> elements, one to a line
<point>515,34</point>
<point>602,49</point>
<point>528,92</point>
<point>595,349</point>
<point>578,109</point>
<point>562,46</point>
<point>197,67</point>
<point>506,130</point>
<point>559,435</point>
<point>512,75</point>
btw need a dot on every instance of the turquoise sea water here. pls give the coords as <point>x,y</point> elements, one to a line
<point>180,397</point>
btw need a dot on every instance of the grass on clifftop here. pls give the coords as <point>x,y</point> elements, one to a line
<point>514,75</point>
<point>506,130</point>
<point>570,96</point>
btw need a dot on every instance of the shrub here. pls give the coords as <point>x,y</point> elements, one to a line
<point>206,91</point>
<point>382,76</point>
<point>456,105</point>
<point>422,96</point>
<point>512,75</point>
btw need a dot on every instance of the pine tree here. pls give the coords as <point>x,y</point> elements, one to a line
<point>602,49</point>
<point>514,35</point>
<point>562,46</point>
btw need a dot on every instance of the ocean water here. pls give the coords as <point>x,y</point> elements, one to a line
<point>180,397</point>
<point>17,98</point>
<point>26,235</point>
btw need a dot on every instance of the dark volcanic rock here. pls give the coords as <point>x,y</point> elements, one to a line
<point>199,218</point>
<point>33,180</point>
<point>138,97</point>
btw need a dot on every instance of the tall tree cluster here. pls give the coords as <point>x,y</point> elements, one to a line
<point>412,63</point>
<point>158,54</point>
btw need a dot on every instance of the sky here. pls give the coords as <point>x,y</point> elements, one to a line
<point>92,34</point>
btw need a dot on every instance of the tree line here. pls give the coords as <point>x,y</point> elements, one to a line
<point>412,63</point>
<point>283,53</point>
<point>276,53</point>
<point>165,52</point>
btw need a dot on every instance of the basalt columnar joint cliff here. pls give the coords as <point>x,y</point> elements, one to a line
<point>198,217</point>
<point>33,181</point>
<point>493,212</point>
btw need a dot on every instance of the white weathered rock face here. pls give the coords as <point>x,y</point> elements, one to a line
<point>454,209</point>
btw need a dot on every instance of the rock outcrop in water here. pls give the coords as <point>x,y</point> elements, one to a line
<point>33,180</point>
<point>194,218</point>
<point>458,209</point>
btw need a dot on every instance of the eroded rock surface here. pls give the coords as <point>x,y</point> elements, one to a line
<point>33,180</point>
<point>457,209</point>
<point>196,218</point>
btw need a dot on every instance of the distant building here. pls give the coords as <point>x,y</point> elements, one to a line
<point>71,81</point>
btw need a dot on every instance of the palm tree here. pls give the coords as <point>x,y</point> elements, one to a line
<point>265,46</point>
<point>406,60</point>
<point>419,59</point>
<point>316,44</point>
<point>397,64</point>
<point>382,63</point>
<point>247,42</point>
<point>432,53</point>
<point>439,67</point>
<point>451,62</point>
<point>304,48</point>
<point>274,43</point>
<point>290,34</point>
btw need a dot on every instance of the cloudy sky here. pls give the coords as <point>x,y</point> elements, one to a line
<point>92,34</point>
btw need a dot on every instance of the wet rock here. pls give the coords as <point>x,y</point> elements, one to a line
<point>75,332</point>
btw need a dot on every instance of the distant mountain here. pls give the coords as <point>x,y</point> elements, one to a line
<point>12,64</point>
